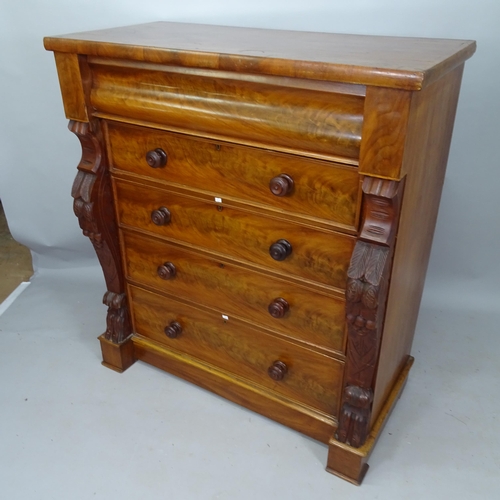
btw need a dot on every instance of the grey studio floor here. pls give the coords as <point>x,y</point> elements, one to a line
<point>72,429</point>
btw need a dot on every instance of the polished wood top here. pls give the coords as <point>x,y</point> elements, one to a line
<point>406,63</point>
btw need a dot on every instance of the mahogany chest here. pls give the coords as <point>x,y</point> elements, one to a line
<point>262,204</point>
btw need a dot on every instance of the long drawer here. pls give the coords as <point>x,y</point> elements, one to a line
<point>233,290</point>
<point>314,188</point>
<point>299,373</point>
<point>289,248</point>
<point>312,121</point>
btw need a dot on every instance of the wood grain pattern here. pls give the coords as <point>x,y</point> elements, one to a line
<point>300,417</point>
<point>426,154</point>
<point>384,132</point>
<point>117,357</point>
<point>237,157</point>
<point>320,256</point>
<point>351,463</point>
<point>366,295</point>
<point>274,115</point>
<point>322,189</point>
<point>369,60</point>
<point>72,81</point>
<point>313,318</point>
<point>312,379</point>
<point>93,205</point>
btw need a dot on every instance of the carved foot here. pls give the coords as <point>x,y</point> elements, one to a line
<point>349,462</point>
<point>355,416</point>
<point>117,320</point>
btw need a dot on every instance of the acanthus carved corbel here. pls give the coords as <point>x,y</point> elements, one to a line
<point>117,319</point>
<point>84,208</point>
<point>366,294</point>
<point>93,205</point>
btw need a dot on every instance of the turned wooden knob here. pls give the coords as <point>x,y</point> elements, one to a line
<point>173,330</point>
<point>280,250</point>
<point>161,217</point>
<point>281,185</point>
<point>278,307</point>
<point>156,158</point>
<point>166,271</point>
<point>277,370</point>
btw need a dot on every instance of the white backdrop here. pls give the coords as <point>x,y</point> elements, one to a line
<point>38,155</point>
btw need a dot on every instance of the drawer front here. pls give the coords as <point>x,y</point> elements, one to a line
<point>311,378</point>
<point>311,121</point>
<point>321,256</point>
<point>319,189</point>
<point>234,290</point>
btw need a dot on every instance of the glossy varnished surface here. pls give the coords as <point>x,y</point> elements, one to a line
<point>231,289</point>
<point>321,189</point>
<point>298,416</point>
<point>320,256</point>
<point>72,82</point>
<point>276,115</point>
<point>227,117</point>
<point>383,61</point>
<point>384,132</point>
<point>426,155</point>
<point>351,463</point>
<point>312,378</point>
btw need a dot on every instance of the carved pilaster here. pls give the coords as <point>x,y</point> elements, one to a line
<point>93,205</point>
<point>366,295</point>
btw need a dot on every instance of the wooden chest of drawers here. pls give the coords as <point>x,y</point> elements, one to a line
<point>262,204</point>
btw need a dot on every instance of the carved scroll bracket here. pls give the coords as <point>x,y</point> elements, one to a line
<point>93,205</point>
<point>366,295</point>
<point>117,319</point>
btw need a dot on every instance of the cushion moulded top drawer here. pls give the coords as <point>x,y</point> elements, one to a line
<point>303,115</point>
<point>319,189</point>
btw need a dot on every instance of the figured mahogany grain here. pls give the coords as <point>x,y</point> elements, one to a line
<point>313,121</point>
<point>321,256</point>
<point>230,109</point>
<point>313,379</point>
<point>314,318</point>
<point>384,132</point>
<point>409,63</point>
<point>322,189</point>
<point>291,413</point>
<point>426,155</point>
<point>72,83</point>
<point>117,357</point>
<point>351,463</point>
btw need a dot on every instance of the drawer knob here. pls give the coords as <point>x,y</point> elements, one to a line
<point>166,271</point>
<point>173,330</point>
<point>278,307</point>
<point>280,250</point>
<point>277,370</point>
<point>161,217</point>
<point>156,158</point>
<point>281,185</point>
